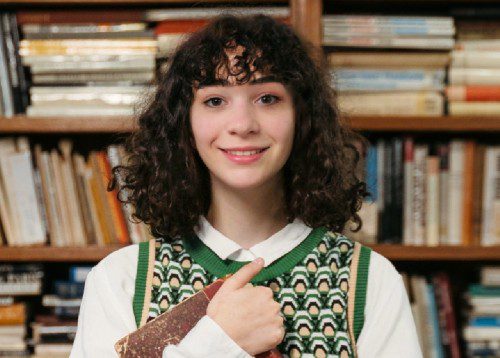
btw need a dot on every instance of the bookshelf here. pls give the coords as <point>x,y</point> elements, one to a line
<point>306,18</point>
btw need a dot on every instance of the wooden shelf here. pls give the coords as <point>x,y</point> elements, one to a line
<point>392,252</point>
<point>427,124</point>
<point>110,124</point>
<point>55,254</point>
<point>440,253</point>
<point>104,124</point>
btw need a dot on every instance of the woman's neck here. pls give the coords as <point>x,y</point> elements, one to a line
<point>248,217</point>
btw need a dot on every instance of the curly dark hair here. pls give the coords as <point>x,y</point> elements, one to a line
<point>166,180</point>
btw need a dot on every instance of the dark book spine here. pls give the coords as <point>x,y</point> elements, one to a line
<point>23,83</point>
<point>5,80</point>
<point>10,51</point>
<point>387,220</point>
<point>68,289</point>
<point>398,190</point>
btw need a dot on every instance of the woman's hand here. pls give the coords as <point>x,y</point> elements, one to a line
<point>248,314</point>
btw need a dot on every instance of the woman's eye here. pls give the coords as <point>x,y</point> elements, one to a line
<point>213,102</point>
<point>269,99</point>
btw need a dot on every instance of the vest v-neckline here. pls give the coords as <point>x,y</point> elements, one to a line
<point>212,263</point>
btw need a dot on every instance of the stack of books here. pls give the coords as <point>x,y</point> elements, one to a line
<point>389,83</point>
<point>54,333</point>
<point>63,197</point>
<point>482,331</point>
<point>87,62</point>
<point>430,194</point>
<point>475,70</point>
<point>16,281</point>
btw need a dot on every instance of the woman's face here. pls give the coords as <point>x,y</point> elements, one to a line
<point>243,133</point>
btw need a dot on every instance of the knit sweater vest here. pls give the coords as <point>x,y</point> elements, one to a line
<point>320,285</point>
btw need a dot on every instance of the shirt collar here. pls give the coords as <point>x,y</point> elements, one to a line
<point>270,249</point>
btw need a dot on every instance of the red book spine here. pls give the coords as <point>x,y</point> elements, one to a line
<point>473,93</point>
<point>78,16</point>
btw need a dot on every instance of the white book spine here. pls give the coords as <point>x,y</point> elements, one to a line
<point>419,200</point>
<point>456,192</point>
<point>475,59</point>
<point>408,227</point>
<point>490,178</point>
<point>443,206</point>
<point>432,202</point>
<point>474,76</point>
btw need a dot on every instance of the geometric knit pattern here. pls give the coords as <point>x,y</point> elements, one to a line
<point>312,294</point>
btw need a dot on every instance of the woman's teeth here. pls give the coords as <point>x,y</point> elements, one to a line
<point>247,152</point>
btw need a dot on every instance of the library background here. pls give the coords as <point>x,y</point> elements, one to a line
<point>419,79</point>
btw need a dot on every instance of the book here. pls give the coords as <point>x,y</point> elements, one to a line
<point>474,76</point>
<point>456,192</point>
<point>78,16</point>
<point>471,93</point>
<point>491,198</point>
<point>171,327</point>
<point>392,103</point>
<point>360,79</point>
<point>474,108</point>
<point>385,59</point>
<point>475,59</point>
<point>409,162</point>
<point>156,15</point>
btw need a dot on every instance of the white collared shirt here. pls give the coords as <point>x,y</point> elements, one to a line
<point>106,312</point>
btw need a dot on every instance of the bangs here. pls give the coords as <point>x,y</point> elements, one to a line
<point>231,53</point>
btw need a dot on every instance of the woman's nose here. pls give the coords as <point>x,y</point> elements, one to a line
<point>243,120</point>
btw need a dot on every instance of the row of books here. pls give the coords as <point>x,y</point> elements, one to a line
<point>441,193</point>
<point>78,63</point>
<point>431,301</point>
<point>32,328</point>
<point>63,198</point>
<point>482,329</point>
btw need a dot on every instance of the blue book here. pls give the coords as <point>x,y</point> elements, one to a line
<point>371,173</point>
<point>484,291</point>
<point>68,289</point>
<point>485,321</point>
<point>437,345</point>
<point>386,80</point>
<point>79,273</point>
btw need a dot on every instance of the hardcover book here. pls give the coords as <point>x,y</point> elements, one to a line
<point>172,326</point>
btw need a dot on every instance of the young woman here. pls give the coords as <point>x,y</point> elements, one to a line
<point>241,165</point>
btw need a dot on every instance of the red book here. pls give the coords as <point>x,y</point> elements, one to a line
<point>446,313</point>
<point>171,327</point>
<point>180,26</point>
<point>473,93</point>
<point>78,16</point>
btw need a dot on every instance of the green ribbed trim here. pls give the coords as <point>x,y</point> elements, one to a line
<point>361,286</point>
<point>140,281</point>
<point>220,268</point>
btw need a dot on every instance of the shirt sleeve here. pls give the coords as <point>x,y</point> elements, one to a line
<point>206,339</point>
<point>106,315</point>
<point>389,329</point>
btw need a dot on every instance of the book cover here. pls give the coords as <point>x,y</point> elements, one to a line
<point>171,327</point>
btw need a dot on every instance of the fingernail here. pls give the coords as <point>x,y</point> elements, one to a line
<point>259,261</point>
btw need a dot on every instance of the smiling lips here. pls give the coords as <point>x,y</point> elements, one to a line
<point>244,155</point>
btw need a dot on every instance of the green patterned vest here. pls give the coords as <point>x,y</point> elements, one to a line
<point>320,284</point>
